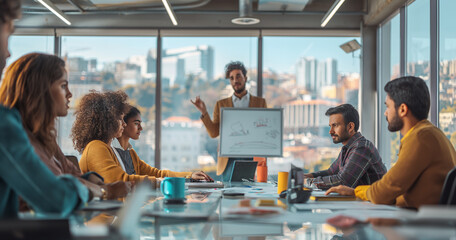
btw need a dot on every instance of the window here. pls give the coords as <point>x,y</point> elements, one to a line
<point>21,45</point>
<point>418,39</point>
<point>447,84</point>
<point>306,76</point>
<point>194,66</point>
<point>113,63</point>
<point>389,36</point>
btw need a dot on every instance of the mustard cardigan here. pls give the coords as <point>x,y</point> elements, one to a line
<point>425,158</point>
<point>99,157</point>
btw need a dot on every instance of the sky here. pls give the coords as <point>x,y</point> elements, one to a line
<point>280,53</point>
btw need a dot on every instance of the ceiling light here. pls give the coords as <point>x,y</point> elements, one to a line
<point>49,5</point>
<point>245,20</point>
<point>331,12</point>
<point>350,46</point>
<point>170,12</point>
<point>245,14</point>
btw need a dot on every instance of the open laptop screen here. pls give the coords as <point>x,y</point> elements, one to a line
<point>243,170</point>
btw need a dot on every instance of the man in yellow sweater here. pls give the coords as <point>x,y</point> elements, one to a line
<point>425,154</point>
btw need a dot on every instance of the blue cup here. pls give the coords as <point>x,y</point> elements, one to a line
<point>173,188</point>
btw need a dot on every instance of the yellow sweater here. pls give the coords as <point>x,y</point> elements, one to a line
<point>99,157</point>
<point>425,158</point>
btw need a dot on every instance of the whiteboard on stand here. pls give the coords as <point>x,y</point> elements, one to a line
<point>249,132</point>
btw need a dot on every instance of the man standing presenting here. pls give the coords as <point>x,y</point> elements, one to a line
<point>425,154</point>
<point>236,72</point>
<point>359,162</point>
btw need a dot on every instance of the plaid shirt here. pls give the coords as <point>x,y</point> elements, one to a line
<point>358,163</point>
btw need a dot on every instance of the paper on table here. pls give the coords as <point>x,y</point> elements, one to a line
<point>102,205</point>
<point>364,214</point>
<point>343,206</point>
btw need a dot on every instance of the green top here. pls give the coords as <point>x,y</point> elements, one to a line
<point>22,173</point>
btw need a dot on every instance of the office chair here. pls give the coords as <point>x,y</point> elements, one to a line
<point>448,196</point>
<point>73,159</point>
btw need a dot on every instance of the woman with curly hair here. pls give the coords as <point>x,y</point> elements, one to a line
<point>128,156</point>
<point>36,85</point>
<point>99,120</point>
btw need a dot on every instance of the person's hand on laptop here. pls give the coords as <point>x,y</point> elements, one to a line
<point>200,175</point>
<point>342,190</point>
<point>307,175</point>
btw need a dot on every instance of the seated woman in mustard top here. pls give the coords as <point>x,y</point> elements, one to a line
<point>125,152</point>
<point>99,119</point>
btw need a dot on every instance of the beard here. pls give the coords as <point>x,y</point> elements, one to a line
<point>239,90</point>
<point>395,124</point>
<point>342,137</point>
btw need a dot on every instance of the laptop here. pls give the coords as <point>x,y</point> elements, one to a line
<point>127,218</point>
<point>243,171</point>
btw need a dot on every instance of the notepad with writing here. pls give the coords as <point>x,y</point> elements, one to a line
<point>320,196</point>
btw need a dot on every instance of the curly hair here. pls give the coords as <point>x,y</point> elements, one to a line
<point>97,117</point>
<point>26,87</point>
<point>9,10</point>
<point>235,66</point>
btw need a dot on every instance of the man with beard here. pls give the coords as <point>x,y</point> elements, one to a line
<point>359,162</point>
<point>425,154</point>
<point>236,72</point>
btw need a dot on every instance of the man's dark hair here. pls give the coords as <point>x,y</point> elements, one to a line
<point>235,66</point>
<point>413,92</point>
<point>132,113</point>
<point>9,10</point>
<point>348,112</point>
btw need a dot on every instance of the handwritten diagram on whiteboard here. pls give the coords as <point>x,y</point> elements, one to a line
<point>248,132</point>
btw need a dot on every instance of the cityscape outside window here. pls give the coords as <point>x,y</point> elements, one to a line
<point>194,66</point>
<point>389,69</point>
<point>305,76</point>
<point>418,39</point>
<point>447,84</point>
<point>112,63</point>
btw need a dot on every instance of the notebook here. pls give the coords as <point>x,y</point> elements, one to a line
<point>103,205</point>
<point>127,220</point>
<point>216,184</point>
<point>197,206</point>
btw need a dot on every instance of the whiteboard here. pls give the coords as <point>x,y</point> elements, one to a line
<point>251,132</point>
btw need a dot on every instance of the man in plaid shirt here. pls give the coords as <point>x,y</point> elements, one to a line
<point>358,163</point>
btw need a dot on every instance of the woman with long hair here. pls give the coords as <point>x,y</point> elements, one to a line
<point>99,120</point>
<point>36,85</point>
<point>125,152</point>
<point>24,174</point>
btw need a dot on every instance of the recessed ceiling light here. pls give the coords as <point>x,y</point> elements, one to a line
<point>245,14</point>
<point>245,20</point>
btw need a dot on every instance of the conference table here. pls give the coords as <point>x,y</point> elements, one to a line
<point>208,214</point>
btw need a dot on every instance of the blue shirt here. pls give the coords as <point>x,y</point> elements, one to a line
<point>22,173</point>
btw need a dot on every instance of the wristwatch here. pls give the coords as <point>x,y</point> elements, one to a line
<point>202,115</point>
<point>104,195</point>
